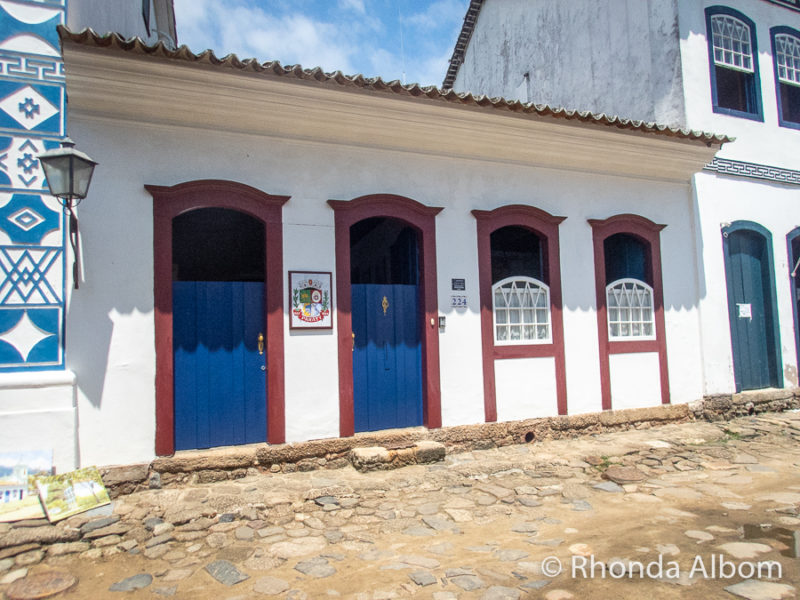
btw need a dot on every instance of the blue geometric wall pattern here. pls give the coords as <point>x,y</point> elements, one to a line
<point>29,337</point>
<point>31,275</point>
<point>32,225</point>
<point>35,107</point>
<point>19,165</point>
<point>37,68</point>
<point>25,219</point>
<point>30,28</point>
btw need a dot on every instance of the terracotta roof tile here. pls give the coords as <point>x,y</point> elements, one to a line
<point>135,46</point>
<point>462,42</point>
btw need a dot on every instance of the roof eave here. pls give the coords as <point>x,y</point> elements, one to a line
<point>153,86</point>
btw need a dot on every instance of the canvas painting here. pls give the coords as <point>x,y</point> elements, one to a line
<point>71,493</point>
<point>18,495</point>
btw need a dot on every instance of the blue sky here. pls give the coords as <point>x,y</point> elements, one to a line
<point>352,36</point>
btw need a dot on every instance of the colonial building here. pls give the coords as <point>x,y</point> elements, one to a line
<point>38,387</point>
<point>274,254</point>
<point>731,67</point>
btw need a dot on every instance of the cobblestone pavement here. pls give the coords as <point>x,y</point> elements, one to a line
<point>690,511</point>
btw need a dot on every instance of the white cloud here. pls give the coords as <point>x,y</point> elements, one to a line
<point>298,39</point>
<point>431,70</point>
<point>439,14</point>
<point>353,36</point>
<point>251,32</point>
<point>354,5</point>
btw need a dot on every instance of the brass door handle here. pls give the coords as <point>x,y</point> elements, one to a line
<point>354,341</point>
<point>261,343</point>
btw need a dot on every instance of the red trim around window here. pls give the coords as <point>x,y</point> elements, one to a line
<point>423,219</point>
<point>545,226</point>
<point>649,233</point>
<point>168,203</point>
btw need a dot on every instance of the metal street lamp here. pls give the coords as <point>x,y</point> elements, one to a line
<point>69,173</point>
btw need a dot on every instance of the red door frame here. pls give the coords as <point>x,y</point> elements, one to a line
<point>423,219</point>
<point>168,203</point>
<point>649,232</point>
<point>544,225</point>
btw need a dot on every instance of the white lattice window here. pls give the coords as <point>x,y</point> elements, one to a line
<point>629,304</point>
<point>731,39</point>
<point>787,57</point>
<point>521,311</point>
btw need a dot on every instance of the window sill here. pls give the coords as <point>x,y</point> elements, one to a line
<point>524,351</point>
<point>788,124</point>
<point>730,112</point>
<point>633,346</point>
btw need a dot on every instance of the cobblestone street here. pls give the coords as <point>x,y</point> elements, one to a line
<point>686,510</point>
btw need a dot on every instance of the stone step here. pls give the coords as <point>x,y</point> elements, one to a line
<point>376,458</point>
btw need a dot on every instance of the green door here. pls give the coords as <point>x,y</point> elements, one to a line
<point>752,306</point>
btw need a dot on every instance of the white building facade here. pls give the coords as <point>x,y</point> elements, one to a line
<point>38,388</point>
<point>728,67</point>
<point>470,261</point>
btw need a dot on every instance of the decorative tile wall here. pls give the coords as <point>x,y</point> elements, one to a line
<point>32,224</point>
<point>753,171</point>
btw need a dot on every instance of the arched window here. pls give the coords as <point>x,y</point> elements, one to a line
<point>731,39</point>
<point>630,301</point>
<point>629,296</point>
<point>732,49</point>
<point>786,58</point>
<point>630,310</point>
<point>521,311</point>
<point>520,295</point>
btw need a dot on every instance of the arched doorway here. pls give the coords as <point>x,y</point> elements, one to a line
<point>205,216</point>
<point>384,288</point>
<point>389,210</point>
<point>218,267</point>
<point>752,306</point>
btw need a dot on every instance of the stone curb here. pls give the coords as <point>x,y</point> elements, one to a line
<point>203,466</point>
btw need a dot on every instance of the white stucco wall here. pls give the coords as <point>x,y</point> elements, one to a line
<point>110,338</point>
<point>774,206</point>
<point>38,412</point>
<point>759,142</point>
<point>525,388</point>
<point>620,57</point>
<point>721,199</point>
<point>635,380</point>
<point>593,56</point>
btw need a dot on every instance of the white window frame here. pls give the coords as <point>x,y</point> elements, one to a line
<point>787,58</point>
<point>531,285</point>
<point>732,51</point>
<point>636,287</point>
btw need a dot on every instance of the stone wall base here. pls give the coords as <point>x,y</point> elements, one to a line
<point>721,407</point>
<point>202,466</point>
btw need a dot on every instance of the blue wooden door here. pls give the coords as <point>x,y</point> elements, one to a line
<point>219,369</point>
<point>387,356</point>
<point>752,310</point>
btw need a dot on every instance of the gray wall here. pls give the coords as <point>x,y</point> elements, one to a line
<point>124,17</point>
<point>619,57</point>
